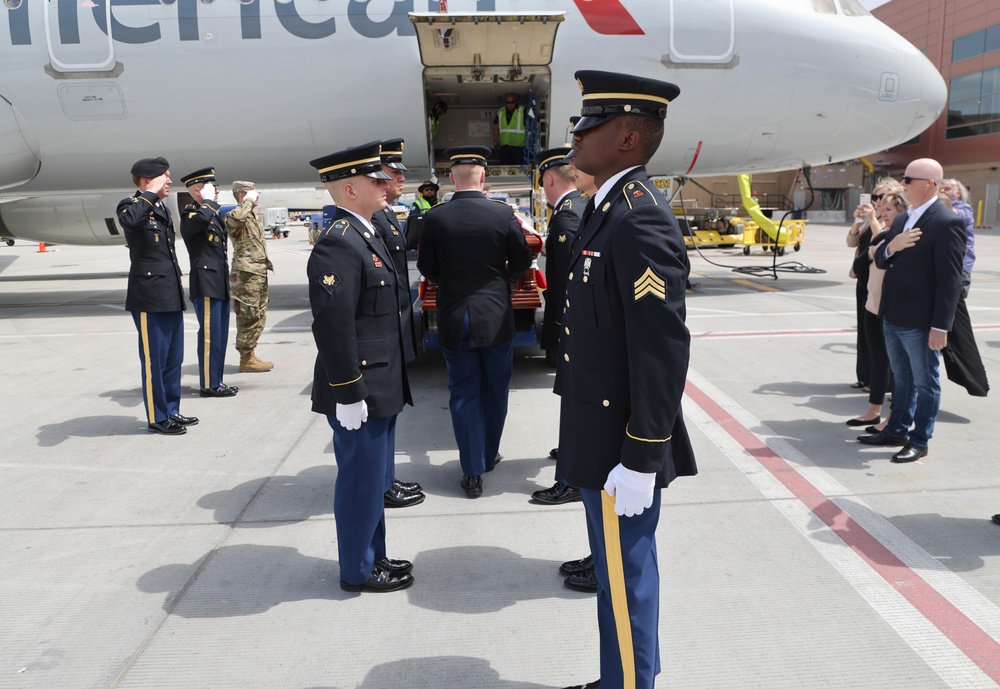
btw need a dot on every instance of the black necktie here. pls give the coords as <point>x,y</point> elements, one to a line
<point>587,212</point>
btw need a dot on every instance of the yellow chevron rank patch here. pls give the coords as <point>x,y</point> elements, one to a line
<point>650,283</point>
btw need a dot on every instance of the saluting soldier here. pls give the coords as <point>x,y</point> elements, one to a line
<point>359,381</point>
<point>625,350</point>
<point>155,295</point>
<point>248,281</point>
<point>473,248</point>
<point>558,182</point>
<point>398,493</point>
<point>205,238</point>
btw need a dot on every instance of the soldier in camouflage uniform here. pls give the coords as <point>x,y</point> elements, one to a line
<point>248,278</point>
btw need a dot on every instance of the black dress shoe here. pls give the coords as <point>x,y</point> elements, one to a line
<point>473,486</point>
<point>221,391</point>
<point>380,581</point>
<point>910,453</point>
<point>882,438</point>
<point>577,566</point>
<point>591,685</point>
<point>871,429</point>
<point>167,427</point>
<point>996,518</point>
<point>395,566</point>
<point>554,453</point>
<point>863,422</point>
<point>495,462</point>
<point>559,494</point>
<point>231,387</point>
<point>584,581</point>
<point>184,420</point>
<point>394,497</point>
<point>407,487</point>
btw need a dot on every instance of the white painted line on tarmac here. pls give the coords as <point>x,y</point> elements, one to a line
<point>948,623</point>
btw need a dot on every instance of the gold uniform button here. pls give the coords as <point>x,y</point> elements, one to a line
<point>364,363</point>
<point>567,331</point>
<point>566,357</point>
<point>570,276</point>
<point>606,403</point>
<point>567,303</point>
<point>382,283</point>
<point>585,278</point>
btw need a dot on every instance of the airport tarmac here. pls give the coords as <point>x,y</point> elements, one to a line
<point>797,558</point>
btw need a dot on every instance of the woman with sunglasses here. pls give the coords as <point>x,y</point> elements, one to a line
<point>890,205</point>
<point>858,238</point>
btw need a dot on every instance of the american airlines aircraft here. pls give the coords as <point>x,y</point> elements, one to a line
<point>259,87</point>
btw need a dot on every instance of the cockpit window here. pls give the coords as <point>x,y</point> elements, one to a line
<point>824,6</point>
<point>853,8</point>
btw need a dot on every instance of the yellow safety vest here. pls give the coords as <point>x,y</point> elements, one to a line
<point>511,133</point>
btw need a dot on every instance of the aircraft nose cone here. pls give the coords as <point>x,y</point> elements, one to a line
<point>934,97</point>
<point>921,86</point>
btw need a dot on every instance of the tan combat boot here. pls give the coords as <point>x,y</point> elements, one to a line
<point>265,365</point>
<point>251,364</point>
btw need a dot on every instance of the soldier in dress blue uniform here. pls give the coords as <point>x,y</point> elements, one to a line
<point>206,241</point>
<point>359,381</point>
<point>625,351</point>
<point>155,296</point>
<point>398,493</point>
<point>473,248</point>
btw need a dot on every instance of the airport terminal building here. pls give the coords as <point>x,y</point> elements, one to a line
<point>962,39</point>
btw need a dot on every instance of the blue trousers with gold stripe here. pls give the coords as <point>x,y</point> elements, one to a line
<point>213,335</point>
<point>628,591</point>
<point>161,353</point>
<point>358,497</point>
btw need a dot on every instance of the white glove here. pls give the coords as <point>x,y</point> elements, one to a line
<point>633,490</point>
<point>351,416</point>
<point>252,195</point>
<point>208,192</point>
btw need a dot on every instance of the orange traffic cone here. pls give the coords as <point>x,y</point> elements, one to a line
<point>41,247</point>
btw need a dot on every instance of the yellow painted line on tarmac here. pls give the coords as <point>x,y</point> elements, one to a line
<point>756,285</point>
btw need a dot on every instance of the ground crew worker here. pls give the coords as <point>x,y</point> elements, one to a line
<point>359,380</point>
<point>155,295</point>
<point>473,248</point>
<point>509,131</point>
<point>440,108</point>
<point>426,198</point>
<point>625,350</point>
<point>248,280</point>
<point>205,238</point>
<point>398,493</point>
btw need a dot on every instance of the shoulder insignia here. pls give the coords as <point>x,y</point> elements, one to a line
<point>566,205</point>
<point>638,194</point>
<point>341,225</point>
<point>191,215</point>
<point>328,281</point>
<point>650,283</point>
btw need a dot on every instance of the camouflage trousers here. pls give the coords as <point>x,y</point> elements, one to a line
<point>249,295</point>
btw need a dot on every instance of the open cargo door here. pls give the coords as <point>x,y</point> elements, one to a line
<point>471,61</point>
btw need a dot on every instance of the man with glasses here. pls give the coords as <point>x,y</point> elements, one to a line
<point>922,258</point>
<point>509,131</point>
